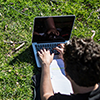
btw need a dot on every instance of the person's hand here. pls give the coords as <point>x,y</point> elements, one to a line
<point>45,57</point>
<point>60,50</point>
<point>52,33</point>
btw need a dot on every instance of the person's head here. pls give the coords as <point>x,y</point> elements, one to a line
<point>82,61</point>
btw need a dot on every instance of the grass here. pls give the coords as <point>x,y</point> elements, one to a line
<point>16,24</point>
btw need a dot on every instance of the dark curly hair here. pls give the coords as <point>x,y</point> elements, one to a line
<point>82,61</point>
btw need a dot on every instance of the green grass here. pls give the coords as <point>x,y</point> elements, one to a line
<point>16,24</point>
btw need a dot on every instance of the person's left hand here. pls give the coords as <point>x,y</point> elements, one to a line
<point>45,57</point>
<point>60,50</point>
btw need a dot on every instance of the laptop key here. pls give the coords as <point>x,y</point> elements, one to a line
<point>48,46</point>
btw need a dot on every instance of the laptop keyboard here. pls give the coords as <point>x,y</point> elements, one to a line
<point>47,46</point>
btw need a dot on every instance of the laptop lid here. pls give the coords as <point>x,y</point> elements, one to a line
<point>52,29</point>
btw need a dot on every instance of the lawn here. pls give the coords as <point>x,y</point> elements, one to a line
<point>16,24</point>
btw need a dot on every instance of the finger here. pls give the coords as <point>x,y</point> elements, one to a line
<point>39,53</point>
<point>48,51</point>
<point>42,51</point>
<point>49,32</point>
<point>62,45</point>
<point>57,33</point>
<point>52,55</point>
<point>58,49</point>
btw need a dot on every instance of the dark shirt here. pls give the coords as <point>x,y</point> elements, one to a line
<point>94,95</point>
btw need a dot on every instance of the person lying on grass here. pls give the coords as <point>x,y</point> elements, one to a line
<point>82,67</point>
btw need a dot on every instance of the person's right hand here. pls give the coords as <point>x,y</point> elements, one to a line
<point>45,57</point>
<point>60,50</point>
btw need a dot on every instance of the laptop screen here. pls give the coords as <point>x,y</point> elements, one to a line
<point>52,29</point>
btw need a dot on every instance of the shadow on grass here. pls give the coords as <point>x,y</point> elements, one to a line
<point>26,56</point>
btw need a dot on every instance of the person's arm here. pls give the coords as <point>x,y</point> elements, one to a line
<point>46,89</point>
<point>50,27</point>
<point>50,23</point>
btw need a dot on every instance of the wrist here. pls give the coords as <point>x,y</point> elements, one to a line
<point>45,69</point>
<point>45,65</point>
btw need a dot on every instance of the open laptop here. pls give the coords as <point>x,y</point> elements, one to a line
<point>50,31</point>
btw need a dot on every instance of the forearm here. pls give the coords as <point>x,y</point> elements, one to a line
<point>50,23</point>
<point>45,86</point>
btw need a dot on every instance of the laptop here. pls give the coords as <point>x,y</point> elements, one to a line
<point>50,31</point>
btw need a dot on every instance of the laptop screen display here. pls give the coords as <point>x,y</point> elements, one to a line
<point>52,29</point>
